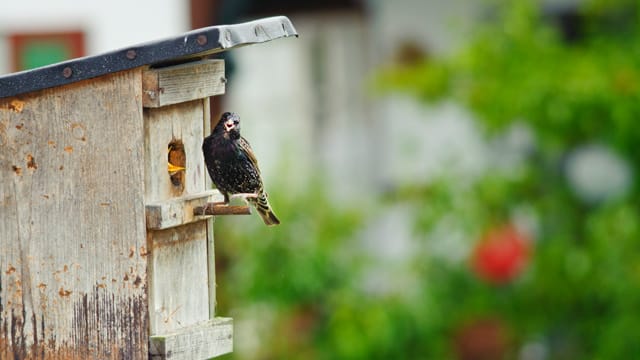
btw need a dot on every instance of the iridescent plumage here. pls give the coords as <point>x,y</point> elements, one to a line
<point>233,166</point>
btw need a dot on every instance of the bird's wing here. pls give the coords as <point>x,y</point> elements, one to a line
<point>246,149</point>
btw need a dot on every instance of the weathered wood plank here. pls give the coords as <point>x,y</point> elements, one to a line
<point>201,341</point>
<point>211,269</point>
<point>178,264</point>
<point>206,126</point>
<point>179,211</point>
<point>182,83</point>
<point>178,292</point>
<point>211,254</point>
<point>162,126</point>
<point>72,226</point>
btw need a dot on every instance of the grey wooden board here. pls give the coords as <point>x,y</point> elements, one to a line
<point>178,211</point>
<point>73,263</point>
<point>162,126</point>
<point>179,285</point>
<point>181,83</point>
<point>201,341</point>
<point>206,125</point>
<point>179,294</point>
<point>211,254</point>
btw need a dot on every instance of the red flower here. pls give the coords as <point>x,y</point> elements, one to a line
<point>501,254</point>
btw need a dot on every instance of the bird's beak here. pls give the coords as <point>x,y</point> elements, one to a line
<point>229,125</point>
<point>172,169</point>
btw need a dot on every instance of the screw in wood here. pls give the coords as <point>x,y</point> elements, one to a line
<point>131,54</point>
<point>67,72</point>
<point>201,40</point>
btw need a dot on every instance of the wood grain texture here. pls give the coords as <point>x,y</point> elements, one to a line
<point>180,291</point>
<point>211,269</point>
<point>206,125</point>
<point>211,254</point>
<point>201,341</point>
<point>179,211</point>
<point>162,126</point>
<point>218,209</point>
<point>72,222</point>
<point>182,83</point>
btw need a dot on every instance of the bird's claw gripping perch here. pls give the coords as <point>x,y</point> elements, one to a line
<point>224,208</point>
<point>245,196</point>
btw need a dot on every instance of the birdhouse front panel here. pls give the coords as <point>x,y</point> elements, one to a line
<point>182,287</point>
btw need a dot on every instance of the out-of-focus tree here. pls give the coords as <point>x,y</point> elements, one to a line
<point>569,77</point>
<point>537,258</point>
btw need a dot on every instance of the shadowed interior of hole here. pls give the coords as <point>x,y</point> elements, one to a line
<point>177,157</point>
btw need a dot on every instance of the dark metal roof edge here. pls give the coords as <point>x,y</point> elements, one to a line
<point>195,43</point>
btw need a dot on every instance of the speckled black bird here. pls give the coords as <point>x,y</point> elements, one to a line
<point>233,167</point>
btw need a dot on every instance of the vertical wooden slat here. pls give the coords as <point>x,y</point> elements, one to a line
<point>179,294</point>
<point>72,222</point>
<point>206,126</point>
<point>211,255</point>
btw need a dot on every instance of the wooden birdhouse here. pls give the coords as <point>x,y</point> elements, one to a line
<point>101,253</point>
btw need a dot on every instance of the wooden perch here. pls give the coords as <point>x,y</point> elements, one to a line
<point>222,209</point>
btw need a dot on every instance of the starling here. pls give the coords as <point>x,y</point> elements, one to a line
<point>233,166</point>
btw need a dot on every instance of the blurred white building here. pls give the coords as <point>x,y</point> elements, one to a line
<point>107,25</point>
<point>310,109</point>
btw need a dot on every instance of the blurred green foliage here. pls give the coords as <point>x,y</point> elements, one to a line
<point>579,296</point>
<point>518,66</point>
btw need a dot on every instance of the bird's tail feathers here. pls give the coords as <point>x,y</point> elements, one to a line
<point>261,203</point>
